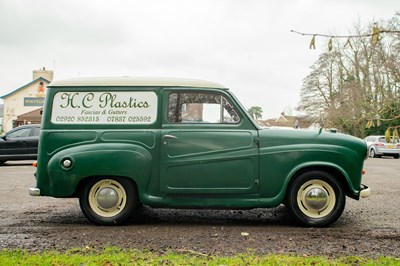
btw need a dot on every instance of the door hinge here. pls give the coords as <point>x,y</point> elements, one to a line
<point>257,182</point>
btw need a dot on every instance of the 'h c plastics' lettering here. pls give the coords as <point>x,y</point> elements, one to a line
<point>104,107</point>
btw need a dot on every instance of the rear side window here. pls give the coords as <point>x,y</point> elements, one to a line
<point>382,140</point>
<point>200,107</point>
<point>35,131</point>
<point>21,133</point>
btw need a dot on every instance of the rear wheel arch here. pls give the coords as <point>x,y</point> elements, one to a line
<point>134,162</point>
<point>81,184</point>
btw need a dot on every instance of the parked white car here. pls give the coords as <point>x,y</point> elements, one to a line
<point>378,147</point>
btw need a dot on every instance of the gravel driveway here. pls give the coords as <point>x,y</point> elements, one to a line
<point>370,227</point>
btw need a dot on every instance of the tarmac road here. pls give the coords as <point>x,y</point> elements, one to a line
<point>370,227</point>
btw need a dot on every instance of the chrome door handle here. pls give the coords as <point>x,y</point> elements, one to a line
<point>170,137</point>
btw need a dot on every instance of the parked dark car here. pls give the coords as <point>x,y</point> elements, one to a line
<point>20,143</point>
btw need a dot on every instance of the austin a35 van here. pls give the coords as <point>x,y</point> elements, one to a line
<point>119,143</point>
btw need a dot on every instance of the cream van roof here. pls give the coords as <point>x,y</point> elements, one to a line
<point>135,81</point>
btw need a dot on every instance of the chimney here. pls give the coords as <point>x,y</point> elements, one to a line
<point>47,74</point>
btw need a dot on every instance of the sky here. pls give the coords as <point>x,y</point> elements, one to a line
<point>246,45</point>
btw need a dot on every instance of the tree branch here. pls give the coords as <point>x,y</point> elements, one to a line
<point>344,36</point>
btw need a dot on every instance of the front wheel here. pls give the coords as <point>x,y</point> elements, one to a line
<point>316,198</point>
<point>108,201</point>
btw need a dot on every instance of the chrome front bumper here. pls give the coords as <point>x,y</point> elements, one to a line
<point>33,191</point>
<point>364,191</point>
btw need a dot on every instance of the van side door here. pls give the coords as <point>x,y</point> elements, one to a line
<point>206,146</point>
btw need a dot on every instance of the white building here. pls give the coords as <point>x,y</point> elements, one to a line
<point>28,99</point>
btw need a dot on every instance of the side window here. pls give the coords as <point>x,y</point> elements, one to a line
<point>200,107</point>
<point>35,131</point>
<point>22,133</point>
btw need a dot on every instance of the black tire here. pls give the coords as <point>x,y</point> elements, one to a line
<point>108,201</point>
<point>396,156</point>
<point>316,198</point>
<point>2,162</point>
<point>372,153</point>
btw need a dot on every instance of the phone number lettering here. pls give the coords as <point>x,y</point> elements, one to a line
<point>108,119</point>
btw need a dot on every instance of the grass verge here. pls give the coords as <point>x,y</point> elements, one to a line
<point>114,256</point>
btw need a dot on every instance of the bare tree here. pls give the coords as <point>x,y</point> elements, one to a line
<point>356,83</point>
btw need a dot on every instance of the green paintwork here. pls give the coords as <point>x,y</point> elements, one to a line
<point>238,165</point>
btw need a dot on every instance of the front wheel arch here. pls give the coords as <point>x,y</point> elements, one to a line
<point>316,198</point>
<point>338,174</point>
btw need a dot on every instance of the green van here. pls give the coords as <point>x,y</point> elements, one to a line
<point>119,143</point>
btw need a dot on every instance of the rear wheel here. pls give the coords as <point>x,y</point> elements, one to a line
<point>2,162</point>
<point>372,153</point>
<point>316,198</point>
<point>108,201</point>
<point>396,156</point>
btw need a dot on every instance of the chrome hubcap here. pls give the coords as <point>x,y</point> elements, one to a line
<point>107,198</point>
<point>316,198</point>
